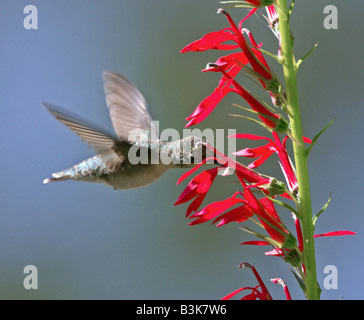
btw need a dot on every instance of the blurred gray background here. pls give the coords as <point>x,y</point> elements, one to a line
<point>91,242</point>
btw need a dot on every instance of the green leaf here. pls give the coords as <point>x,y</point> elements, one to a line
<point>314,140</point>
<point>299,280</point>
<point>315,217</point>
<point>305,56</point>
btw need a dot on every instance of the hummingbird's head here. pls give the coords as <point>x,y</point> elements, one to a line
<point>193,150</point>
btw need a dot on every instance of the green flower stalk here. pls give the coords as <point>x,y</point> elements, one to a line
<point>300,152</point>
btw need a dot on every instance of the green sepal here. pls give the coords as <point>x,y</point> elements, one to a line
<point>293,257</point>
<point>315,217</point>
<point>305,56</point>
<point>314,140</point>
<point>299,280</point>
<point>290,243</point>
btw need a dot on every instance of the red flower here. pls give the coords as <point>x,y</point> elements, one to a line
<point>255,63</point>
<point>273,19</point>
<point>285,288</point>
<point>255,293</point>
<point>197,188</point>
<point>214,209</point>
<point>264,152</point>
<point>209,103</point>
<point>200,185</point>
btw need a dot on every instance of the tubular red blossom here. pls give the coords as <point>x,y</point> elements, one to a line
<point>255,63</point>
<point>298,232</point>
<point>272,18</point>
<point>214,209</point>
<point>265,291</point>
<point>197,188</point>
<point>257,106</point>
<point>254,295</point>
<point>209,103</point>
<point>258,54</point>
<point>266,151</point>
<point>212,40</point>
<point>229,64</point>
<point>285,288</point>
<point>271,221</point>
<point>239,214</point>
<point>265,211</point>
<point>251,12</point>
<point>254,103</point>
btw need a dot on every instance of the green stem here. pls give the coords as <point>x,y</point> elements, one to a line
<point>300,154</point>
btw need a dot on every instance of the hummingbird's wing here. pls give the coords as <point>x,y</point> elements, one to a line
<point>96,138</point>
<point>128,108</point>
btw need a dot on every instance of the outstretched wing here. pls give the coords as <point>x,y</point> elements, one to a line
<point>96,138</point>
<point>128,108</point>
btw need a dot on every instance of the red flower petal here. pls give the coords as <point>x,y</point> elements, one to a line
<point>234,293</point>
<point>335,233</point>
<point>208,104</point>
<point>256,243</point>
<point>212,40</point>
<point>214,209</point>
<point>238,214</point>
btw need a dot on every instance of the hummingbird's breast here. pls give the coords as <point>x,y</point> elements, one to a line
<point>134,176</point>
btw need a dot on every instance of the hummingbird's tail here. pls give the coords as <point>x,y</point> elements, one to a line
<point>56,177</point>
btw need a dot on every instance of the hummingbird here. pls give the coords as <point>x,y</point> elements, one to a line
<point>136,139</point>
